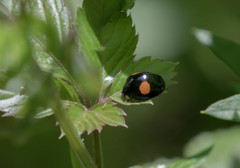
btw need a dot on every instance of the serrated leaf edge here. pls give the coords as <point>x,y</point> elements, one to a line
<point>114,125</point>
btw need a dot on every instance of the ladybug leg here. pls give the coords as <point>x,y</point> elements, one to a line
<point>126,98</point>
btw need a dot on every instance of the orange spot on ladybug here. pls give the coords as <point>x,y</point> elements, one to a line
<point>136,73</point>
<point>145,88</point>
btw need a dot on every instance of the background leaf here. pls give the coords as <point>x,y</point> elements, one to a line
<point>226,50</point>
<point>190,162</point>
<point>225,152</point>
<point>11,103</point>
<point>51,30</point>
<point>33,100</point>
<point>14,48</point>
<point>226,109</point>
<point>55,13</point>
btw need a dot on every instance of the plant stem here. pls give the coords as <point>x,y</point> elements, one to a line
<point>97,149</point>
<point>75,161</point>
<point>74,140</point>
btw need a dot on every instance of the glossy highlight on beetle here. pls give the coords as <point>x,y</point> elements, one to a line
<point>143,86</point>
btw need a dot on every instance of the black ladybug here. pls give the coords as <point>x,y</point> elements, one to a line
<point>143,86</point>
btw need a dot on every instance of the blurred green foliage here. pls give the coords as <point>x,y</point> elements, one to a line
<point>155,131</point>
<point>225,151</point>
<point>188,162</point>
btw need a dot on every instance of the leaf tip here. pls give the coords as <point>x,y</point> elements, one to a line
<point>177,63</point>
<point>5,115</point>
<point>99,130</point>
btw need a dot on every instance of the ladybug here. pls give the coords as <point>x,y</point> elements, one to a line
<point>143,86</point>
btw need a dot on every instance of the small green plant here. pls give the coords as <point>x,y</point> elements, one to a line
<point>74,66</point>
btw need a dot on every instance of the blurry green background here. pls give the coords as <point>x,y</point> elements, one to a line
<point>156,131</point>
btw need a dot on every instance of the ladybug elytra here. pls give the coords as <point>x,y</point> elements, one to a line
<point>143,86</point>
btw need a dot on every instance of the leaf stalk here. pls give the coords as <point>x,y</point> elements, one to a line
<point>72,136</point>
<point>98,154</point>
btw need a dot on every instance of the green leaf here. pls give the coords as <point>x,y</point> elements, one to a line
<point>50,28</point>
<point>11,103</point>
<point>44,113</point>
<point>14,47</point>
<point>190,162</point>
<point>226,109</point>
<point>45,61</point>
<point>117,97</point>
<point>96,117</point>
<point>89,42</point>
<point>106,34</point>
<point>48,112</point>
<point>55,13</point>
<point>91,119</point>
<point>226,50</point>
<point>157,66</point>
<point>82,118</point>
<point>88,120</point>
<point>50,38</point>
<point>34,100</point>
<point>225,153</point>
<point>69,88</point>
